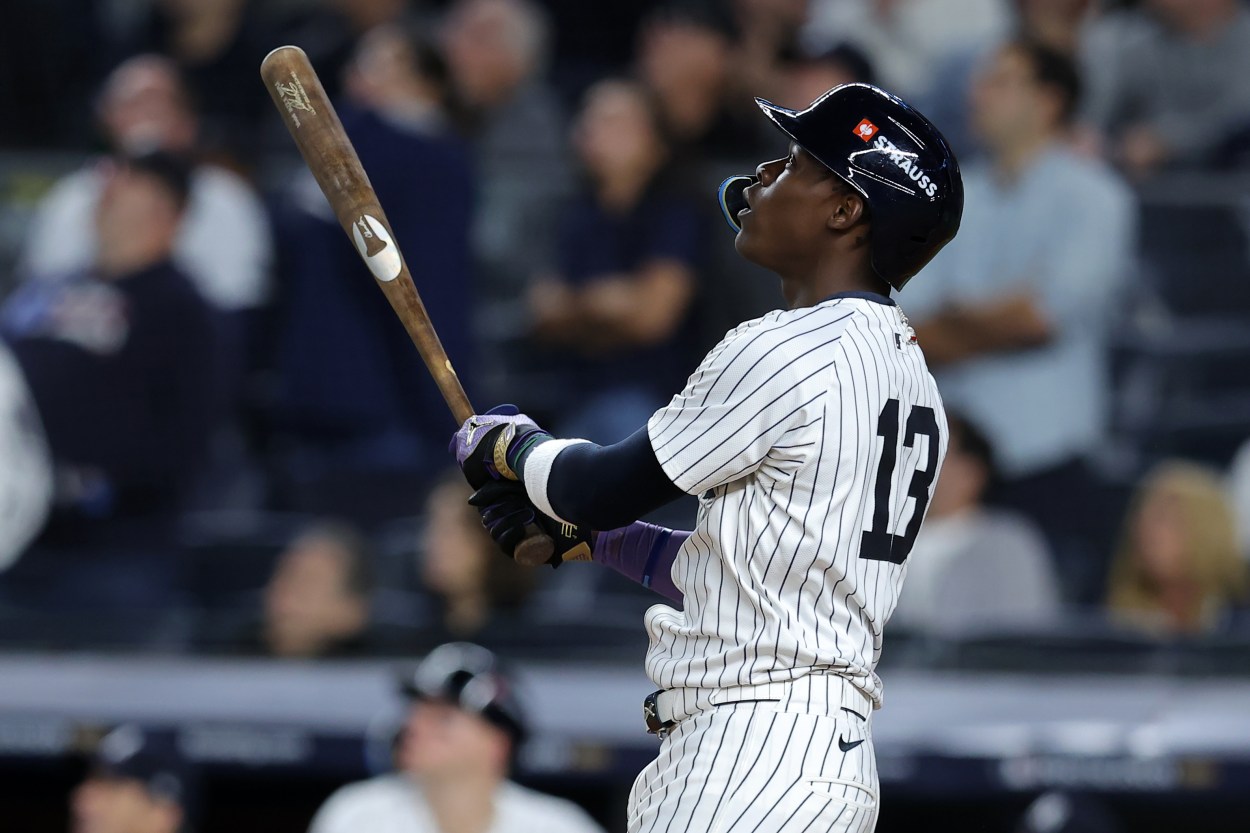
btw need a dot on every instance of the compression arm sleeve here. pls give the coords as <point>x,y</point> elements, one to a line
<point>644,553</point>
<point>603,487</point>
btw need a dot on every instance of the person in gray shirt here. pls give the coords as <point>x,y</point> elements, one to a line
<point>1014,315</point>
<point>974,565</point>
<point>1169,83</point>
<point>497,52</point>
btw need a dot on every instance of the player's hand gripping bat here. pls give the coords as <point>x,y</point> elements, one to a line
<point>297,93</point>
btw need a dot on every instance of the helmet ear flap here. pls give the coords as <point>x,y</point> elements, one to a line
<point>732,200</point>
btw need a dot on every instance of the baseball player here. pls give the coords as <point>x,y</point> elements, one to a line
<point>812,437</point>
<point>463,730</point>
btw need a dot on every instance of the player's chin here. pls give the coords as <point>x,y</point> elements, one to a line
<point>747,243</point>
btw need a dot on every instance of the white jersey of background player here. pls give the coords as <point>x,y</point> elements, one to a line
<point>812,437</point>
<point>463,729</point>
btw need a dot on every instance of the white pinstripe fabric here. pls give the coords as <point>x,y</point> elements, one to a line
<point>777,432</point>
<point>756,767</point>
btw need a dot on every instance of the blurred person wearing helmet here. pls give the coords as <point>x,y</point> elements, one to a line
<point>812,437</point>
<point>1015,316</point>
<point>224,245</point>
<point>462,733</point>
<point>138,783</point>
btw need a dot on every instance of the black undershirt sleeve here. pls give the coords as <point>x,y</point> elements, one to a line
<point>606,487</point>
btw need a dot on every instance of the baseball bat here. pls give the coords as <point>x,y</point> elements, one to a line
<point>314,125</point>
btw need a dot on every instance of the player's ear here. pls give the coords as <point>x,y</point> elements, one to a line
<point>846,211</point>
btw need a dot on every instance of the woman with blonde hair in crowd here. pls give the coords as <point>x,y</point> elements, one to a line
<point>1177,570</point>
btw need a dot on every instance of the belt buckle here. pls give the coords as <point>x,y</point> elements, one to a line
<point>651,715</point>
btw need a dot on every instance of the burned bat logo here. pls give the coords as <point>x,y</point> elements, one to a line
<point>376,247</point>
<point>294,98</point>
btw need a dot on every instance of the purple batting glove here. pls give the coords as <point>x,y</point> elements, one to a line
<point>493,446</point>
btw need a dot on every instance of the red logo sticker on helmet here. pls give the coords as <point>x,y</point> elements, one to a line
<point>865,130</point>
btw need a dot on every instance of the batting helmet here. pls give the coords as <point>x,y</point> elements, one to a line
<point>468,676</point>
<point>893,156</point>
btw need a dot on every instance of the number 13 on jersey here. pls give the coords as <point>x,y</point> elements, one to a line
<point>879,543</point>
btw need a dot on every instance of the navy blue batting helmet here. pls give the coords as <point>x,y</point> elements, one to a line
<point>469,677</point>
<point>893,156</point>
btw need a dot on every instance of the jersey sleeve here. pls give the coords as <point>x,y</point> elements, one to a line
<point>761,384</point>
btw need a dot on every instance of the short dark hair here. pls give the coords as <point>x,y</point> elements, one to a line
<point>970,440</point>
<point>1054,70</point>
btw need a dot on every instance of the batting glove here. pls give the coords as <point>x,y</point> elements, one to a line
<point>494,445</point>
<point>506,511</point>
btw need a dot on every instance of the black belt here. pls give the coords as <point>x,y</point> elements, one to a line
<point>651,715</point>
<point>656,726</point>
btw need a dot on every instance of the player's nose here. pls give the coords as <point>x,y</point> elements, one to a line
<point>767,171</point>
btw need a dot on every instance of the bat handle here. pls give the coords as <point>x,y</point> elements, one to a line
<point>535,549</point>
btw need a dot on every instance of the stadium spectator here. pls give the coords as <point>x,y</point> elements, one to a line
<point>628,255</point>
<point>807,77</point>
<point>686,57</point>
<point>1063,25</point>
<point>769,35</point>
<point>1169,82</point>
<point>497,51</point>
<point>330,34</point>
<point>1177,569</point>
<point>463,730</point>
<point>1014,314</point>
<point>357,418</point>
<point>224,244</point>
<point>480,593</point>
<point>138,783</point>
<point>121,359</point>
<point>973,564</point>
<point>217,46</point>
<point>908,40</point>
<point>26,476</point>
<point>316,603</point>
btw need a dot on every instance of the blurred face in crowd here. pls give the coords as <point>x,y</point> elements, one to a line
<point>1179,555</point>
<point>385,72</point>
<point>137,220</point>
<point>455,545</point>
<point>617,133</point>
<point>678,58</point>
<point>1009,107</point>
<point>103,804</point>
<point>441,740</point>
<point>309,603</point>
<point>144,107</point>
<point>492,46</point>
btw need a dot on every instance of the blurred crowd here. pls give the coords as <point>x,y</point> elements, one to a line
<point>213,429</point>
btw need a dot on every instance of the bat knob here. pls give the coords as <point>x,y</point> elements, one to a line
<point>535,549</point>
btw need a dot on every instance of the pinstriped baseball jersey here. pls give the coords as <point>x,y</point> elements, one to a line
<point>813,438</point>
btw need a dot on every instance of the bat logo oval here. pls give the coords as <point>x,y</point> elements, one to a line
<point>376,247</point>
